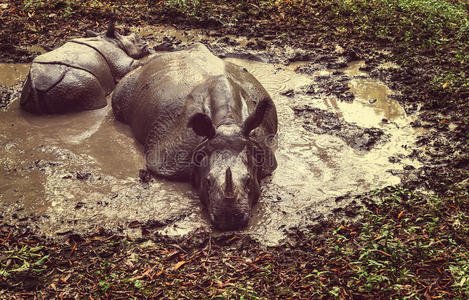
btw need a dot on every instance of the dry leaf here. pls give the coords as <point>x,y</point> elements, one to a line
<point>400,214</point>
<point>66,277</point>
<point>179,264</point>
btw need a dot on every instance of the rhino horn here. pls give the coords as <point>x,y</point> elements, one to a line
<point>229,191</point>
<point>256,118</point>
<point>111,31</point>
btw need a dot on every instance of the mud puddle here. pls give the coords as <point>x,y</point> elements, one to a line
<point>79,172</point>
<point>11,74</point>
<point>319,170</point>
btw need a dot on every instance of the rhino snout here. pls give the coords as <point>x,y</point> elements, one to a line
<point>225,222</point>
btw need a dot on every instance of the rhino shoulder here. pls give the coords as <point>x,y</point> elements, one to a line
<point>123,96</point>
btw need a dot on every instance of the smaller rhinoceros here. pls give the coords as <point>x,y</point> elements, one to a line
<point>78,75</point>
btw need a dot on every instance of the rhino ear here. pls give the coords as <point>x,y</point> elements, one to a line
<point>111,31</point>
<point>256,118</point>
<point>202,125</point>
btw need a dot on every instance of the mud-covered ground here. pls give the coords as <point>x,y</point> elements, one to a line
<point>410,239</point>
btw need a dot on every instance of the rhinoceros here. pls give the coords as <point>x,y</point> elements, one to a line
<point>78,75</point>
<point>206,121</point>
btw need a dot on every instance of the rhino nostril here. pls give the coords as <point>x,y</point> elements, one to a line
<point>240,220</point>
<point>244,220</point>
<point>231,221</point>
<point>217,219</point>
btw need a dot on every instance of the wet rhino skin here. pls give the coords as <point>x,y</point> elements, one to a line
<point>74,77</point>
<point>158,99</point>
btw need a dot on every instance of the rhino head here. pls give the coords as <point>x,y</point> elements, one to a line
<point>226,168</point>
<point>131,44</point>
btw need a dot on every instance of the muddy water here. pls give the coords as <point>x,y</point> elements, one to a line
<point>79,172</point>
<point>11,74</point>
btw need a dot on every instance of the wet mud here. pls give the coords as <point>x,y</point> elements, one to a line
<point>341,134</point>
<point>11,76</point>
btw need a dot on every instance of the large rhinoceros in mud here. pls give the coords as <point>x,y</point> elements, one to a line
<point>204,120</point>
<point>78,75</point>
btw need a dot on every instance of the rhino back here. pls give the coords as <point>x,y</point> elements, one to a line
<point>81,57</point>
<point>123,96</point>
<point>157,100</point>
<point>117,60</point>
<point>174,86</point>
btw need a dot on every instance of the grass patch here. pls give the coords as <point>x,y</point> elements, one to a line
<point>22,259</point>
<point>190,8</point>
<point>408,245</point>
<point>435,28</point>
